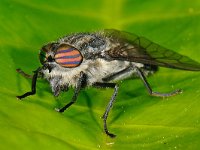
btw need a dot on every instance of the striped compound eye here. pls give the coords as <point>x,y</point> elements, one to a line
<point>68,56</point>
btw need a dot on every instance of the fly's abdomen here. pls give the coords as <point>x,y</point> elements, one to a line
<point>68,56</point>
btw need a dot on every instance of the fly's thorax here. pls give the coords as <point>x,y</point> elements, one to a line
<point>87,43</point>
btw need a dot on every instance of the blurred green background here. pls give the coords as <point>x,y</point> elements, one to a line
<point>140,121</point>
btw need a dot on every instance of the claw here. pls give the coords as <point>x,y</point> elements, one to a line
<point>111,135</point>
<point>19,97</point>
<point>58,110</point>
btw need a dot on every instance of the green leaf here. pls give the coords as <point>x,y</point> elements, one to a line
<point>140,121</point>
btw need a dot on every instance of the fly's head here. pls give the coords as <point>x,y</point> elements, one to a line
<point>59,56</point>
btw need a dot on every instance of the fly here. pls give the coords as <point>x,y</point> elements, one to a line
<point>99,59</point>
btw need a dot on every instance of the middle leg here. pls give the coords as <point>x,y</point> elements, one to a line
<point>110,104</point>
<point>80,84</point>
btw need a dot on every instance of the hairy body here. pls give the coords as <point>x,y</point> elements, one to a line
<point>99,59</point>
<point>96,62</point>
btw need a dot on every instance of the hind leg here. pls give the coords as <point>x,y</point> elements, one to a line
<point>150,91</point>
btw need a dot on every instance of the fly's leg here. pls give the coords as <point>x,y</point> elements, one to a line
<point>152,93</point>
<point>110,104</point>
<point>33,88</point>
<point>24,74</point>
<point>81,83</point>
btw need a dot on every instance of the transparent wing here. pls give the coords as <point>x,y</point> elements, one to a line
<point>141,50</point>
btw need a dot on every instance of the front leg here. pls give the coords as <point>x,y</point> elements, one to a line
<point>110,104</point>
<point>80,84</point>
<point>33,88</point>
